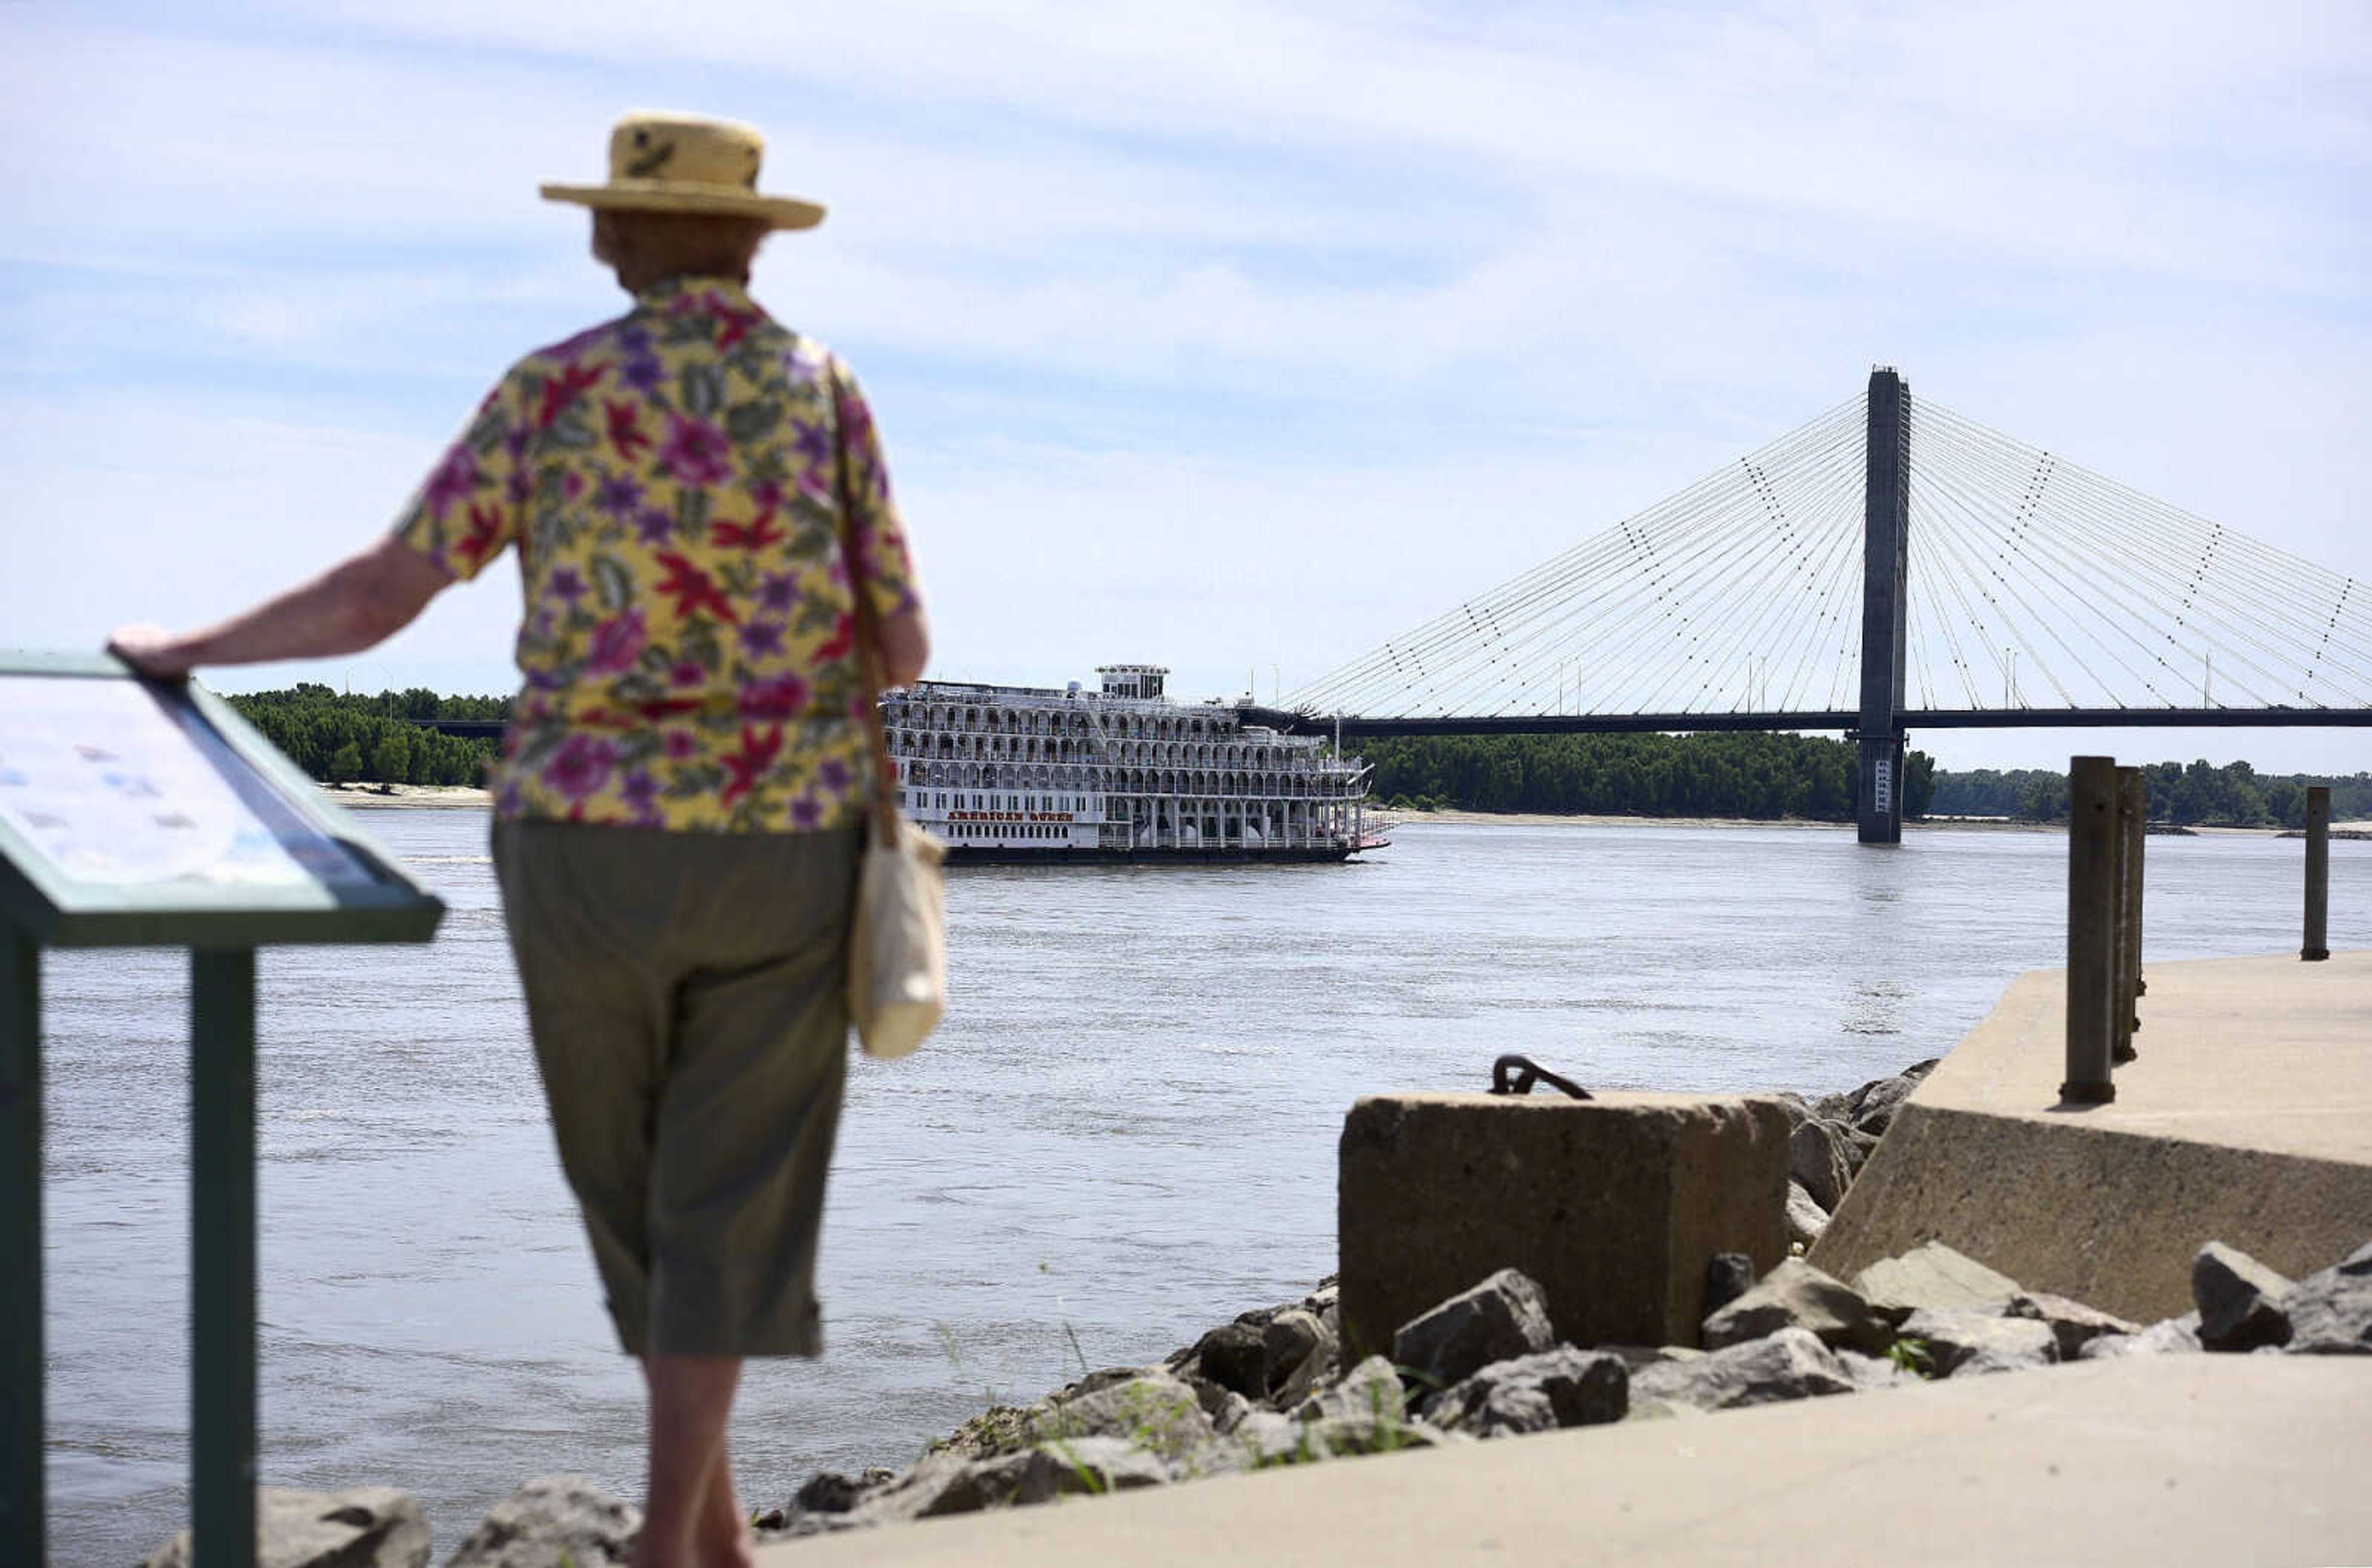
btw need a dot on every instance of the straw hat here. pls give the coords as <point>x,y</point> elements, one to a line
<point>686,163</point>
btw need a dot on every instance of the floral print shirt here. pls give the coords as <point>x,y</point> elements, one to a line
<point>674,481</point>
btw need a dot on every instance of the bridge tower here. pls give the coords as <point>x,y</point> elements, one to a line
<point>1885,525</point>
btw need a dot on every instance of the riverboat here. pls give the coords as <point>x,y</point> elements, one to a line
<point>1125,773</point>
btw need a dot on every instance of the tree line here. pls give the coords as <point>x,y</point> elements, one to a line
<point>1743,773</point>
<point>344,738</point>
<point>2198,794</point>
<point>351,738</point>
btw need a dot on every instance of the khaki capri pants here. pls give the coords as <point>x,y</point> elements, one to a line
<point>686,996</point>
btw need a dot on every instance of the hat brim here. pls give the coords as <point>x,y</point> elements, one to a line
<point>722,201</point>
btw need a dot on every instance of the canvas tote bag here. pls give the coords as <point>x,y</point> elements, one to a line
<point>898,942</point>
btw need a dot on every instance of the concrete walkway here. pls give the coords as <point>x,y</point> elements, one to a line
<point>2173,1460</point>
<point>2248,1119</point>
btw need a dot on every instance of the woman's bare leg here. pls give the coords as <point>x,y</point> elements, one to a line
<point>722,1538</point>
<point>691,1399</point>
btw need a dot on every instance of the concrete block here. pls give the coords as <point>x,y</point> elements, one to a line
<point>1615,1206</point>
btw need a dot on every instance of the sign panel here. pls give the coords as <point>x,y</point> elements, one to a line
<point>134,811</point>
<point>117,788</point>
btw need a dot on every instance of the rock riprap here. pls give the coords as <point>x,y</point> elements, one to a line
<point>370,1527</point>
<point>1504,1316</point>
<point>1541,1393</point>
<point>552,1522</point>
<point>1273,1387</point>
<point>2331,1312</point>
<point>2240,1299</point>
<point>1789,1365</point>
<point>1796,1294</point>
<point>1933,1278</point>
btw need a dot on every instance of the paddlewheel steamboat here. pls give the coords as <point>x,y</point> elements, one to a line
<point>1021,773</point>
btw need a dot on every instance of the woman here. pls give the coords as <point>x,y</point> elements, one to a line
<point>680,793</point>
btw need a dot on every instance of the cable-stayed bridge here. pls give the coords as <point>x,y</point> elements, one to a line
<point>1890,566</point>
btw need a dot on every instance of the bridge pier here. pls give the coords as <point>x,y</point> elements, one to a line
<point>1878,800</point>
<point>1886,526</point>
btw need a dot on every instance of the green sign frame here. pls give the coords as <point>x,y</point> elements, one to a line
<point>95,852</point>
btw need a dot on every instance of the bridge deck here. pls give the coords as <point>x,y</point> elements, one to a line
<point>1912,720</point>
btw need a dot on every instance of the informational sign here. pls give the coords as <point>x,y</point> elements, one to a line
<point>115,786</point>
<point>146,813</point>
<point>1882,795</point>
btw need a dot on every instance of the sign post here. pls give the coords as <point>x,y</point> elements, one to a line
<point>140,814</point>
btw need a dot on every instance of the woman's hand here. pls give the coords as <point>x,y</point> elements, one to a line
<point>152,650</point>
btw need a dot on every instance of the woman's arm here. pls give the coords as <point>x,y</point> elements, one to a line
<point>904,642</point>
<point>355,605</point>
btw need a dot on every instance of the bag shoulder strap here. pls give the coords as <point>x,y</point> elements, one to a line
<point>865,632</point>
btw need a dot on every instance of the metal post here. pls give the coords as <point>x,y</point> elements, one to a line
<point>1886,515</point>
<point>2091,928</point>
<point>2318,874</point>
<point>222,1265</point>
<point>22,1431</point>
<point>2132,813</point>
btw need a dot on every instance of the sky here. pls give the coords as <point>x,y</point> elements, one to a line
<point>1236,337</point>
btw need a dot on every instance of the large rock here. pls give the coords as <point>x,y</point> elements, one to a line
<point>1969,1344</point>
<point>1806,1219</point>
<point>1558,1387</point>
<point>1819,1157</point>
<point>2240,1299</point>
<point>1728,1277</point>
<point>1871,1108</point>
<point>369,1527</point>
<point>1789,1365</point>
<point>1504,1316</point>
<point>1267,1439</point>
<point>934,1485</point>
<point>947,1484</point>
<point>830,1491</point>
<point>1234,1356</point>
<point>1369,1391</point>
<point>1932,1278</point>
<point>2331,1312</point>
<point>1151,1410</point>
<point>2174,1336</point>
<point>1490,1407</point>
<point>1796,1294</point>
<point>1613,1204</point>
<point>1000,1429</point>
<point>1261,1439</point>
<point>2073,1324</point>
<point>1364,1413</point>
<point>1874,1372</point>
<point>552,1522</point>
<point>1301,1349</point>
<point>1225,1407</point>
<point>1083,1465</point>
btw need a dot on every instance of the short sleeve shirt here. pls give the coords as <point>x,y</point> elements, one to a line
<point>674,481</point>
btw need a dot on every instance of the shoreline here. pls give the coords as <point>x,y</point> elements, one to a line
<point>1388,819</point>
<point>407,797</point>
<point>460,797</point>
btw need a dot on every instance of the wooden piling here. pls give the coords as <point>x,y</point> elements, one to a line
<point>2092,897</point>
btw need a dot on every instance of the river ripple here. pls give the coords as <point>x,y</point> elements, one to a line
<point>1124,1135</point>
